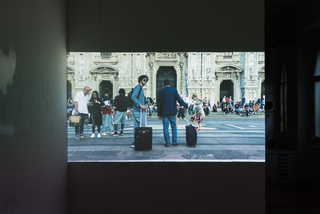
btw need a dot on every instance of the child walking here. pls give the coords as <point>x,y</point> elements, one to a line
<point>197,118</point>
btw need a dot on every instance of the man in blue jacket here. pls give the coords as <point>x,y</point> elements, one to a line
<point>167,111</point>
<point>138,103</point>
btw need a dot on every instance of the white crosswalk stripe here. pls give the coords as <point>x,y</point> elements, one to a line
<point>218,131</point>
<point>234,126</point>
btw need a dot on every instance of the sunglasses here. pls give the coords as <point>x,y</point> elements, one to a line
<point>145,80</point>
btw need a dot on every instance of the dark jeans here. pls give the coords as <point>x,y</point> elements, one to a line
<point>94,125</point>
<point>83,119</point>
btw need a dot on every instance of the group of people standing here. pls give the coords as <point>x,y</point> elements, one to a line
<point>100,110</point>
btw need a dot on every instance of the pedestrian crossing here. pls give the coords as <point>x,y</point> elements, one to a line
<point>234,126</point>
<point>207,131</point>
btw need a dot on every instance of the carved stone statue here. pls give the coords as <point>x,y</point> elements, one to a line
<point>166,55</point>
<point>181,64</point>
<point>151,65</point>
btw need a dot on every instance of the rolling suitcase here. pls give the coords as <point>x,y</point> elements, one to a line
<point>143,136</point>
<point>191,134</point>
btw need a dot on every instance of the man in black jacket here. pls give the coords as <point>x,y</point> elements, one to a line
<point>121,109</point>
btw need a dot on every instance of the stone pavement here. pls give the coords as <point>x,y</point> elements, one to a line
<point>223,140</point>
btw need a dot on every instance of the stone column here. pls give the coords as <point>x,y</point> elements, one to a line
<point>154,79</point>
<point>178,73</point>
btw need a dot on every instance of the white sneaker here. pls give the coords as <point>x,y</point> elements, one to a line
<point>104,134</point>
<point>99,135</point>
<point>93,135</point>
<point>112,132</point>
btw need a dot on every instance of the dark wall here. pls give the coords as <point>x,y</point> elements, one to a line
<point>292,36</point>
<point>166,26</point>
<point>166,188</point>
<point>33,141</point>
<point>308,44</point>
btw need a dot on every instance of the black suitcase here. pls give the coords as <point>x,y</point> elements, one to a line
<point>143,136</point>
<point>191,135</point>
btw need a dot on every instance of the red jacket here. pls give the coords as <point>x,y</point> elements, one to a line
<point>104,109</point>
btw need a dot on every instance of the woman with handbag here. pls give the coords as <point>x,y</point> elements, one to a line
<point>95,109</point>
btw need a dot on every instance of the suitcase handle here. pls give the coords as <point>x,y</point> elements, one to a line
<point>141,118</point>
<point>187,117</point>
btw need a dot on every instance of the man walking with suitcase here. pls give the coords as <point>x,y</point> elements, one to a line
<point>138,103</point>
<point>167,111</point>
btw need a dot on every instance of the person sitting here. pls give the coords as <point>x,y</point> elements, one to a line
<point>225,109</point>
<point>250,104</point>
<point>214,108</point>
<point>259,102</point>
<point>237,108</point>
<point>246,110</point>
<point>206,110</point>
<point>256,108</point>
<point>230,109</point>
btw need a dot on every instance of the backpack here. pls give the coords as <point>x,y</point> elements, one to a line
<point>128,101</point>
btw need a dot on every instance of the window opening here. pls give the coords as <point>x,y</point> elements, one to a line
<point>317,96</point>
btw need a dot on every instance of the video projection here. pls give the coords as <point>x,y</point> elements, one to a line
<point>223,96</point>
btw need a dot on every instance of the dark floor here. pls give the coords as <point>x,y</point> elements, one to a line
<point>292,198</point>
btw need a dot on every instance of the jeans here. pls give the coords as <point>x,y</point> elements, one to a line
<point>107,117</point>
<point>83,119</point>
<point>165,121</point>
<point>94,125</point>
<point>136,118</point>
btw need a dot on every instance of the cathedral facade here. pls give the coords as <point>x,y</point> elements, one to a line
<point>209,75</point>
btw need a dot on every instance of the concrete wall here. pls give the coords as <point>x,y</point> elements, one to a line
<point>169,25</point>
<point>33,141</point>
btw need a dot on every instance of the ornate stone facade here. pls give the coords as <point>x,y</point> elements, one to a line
<point>201,73</point>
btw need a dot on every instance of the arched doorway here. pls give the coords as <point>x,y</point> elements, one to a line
<point>263,89</point>
<point>166,73</point>
<point>103,85</point>
<point>69,90</point>
<point>226,89</point>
